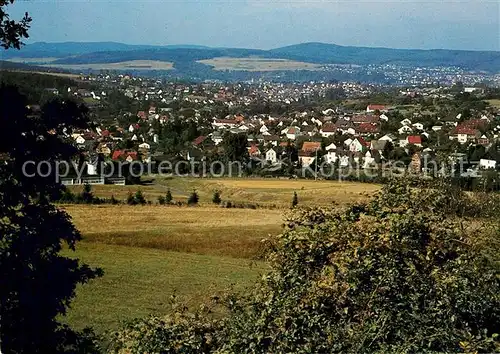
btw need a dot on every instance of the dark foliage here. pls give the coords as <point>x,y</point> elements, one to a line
<point>36,282</point>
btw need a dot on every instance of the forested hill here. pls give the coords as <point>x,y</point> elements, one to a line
<point>321,53</point>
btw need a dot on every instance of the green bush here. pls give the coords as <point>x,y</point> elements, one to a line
<point>400,273</point>
<point>193,198</point>
<point>216,197</point>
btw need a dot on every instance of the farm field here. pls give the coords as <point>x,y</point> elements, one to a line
<point>132,64</point>
<point>138,282</point>
<point>258,64</point>
<point>494,103</point>
<point>149,253</point>
<point>265,192</point>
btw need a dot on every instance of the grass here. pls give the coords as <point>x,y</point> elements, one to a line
<point>132,64</point>
<point>202,230</point>
<point>258,64</point>
<point>274,191</point>
<point>151,252</point>
<point>494,103</point>
<point>139,282</point>
<point>265,192</point>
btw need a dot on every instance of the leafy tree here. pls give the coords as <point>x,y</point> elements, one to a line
<point>235,147</point>
<point>216,197</point>
<point>168,197</point>
<point>193,198</point>
<point>87,196</point>
<point>130,199</point>
<point>139,198</point>
<point>161,200</point>
<point>12,32</point>
<point>37,283</point>
<point>113,200</point>
<point>295,200</point>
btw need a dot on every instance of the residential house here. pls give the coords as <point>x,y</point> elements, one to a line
<point>376,107</point>
<point>415,140</point>
<point>199,140</point>
<point>331,153</point>
<point>418,126</point>
<point>358,144</point>
<point>271,156</point>
<point>486,164</point>
<point>103,149</point>
<point>328,130</point>
<point>405,121</point>
<point>405,130</point>
<point>367,129</point>
<point>464,134</point>
<point>292,133</point>
<point>254,151</point>
<point>483,140</point>
<point>224,123</point>
<point>389,137</point>
<point>216,137</point>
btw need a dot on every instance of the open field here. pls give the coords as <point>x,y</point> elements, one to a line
<point>139,282</point>
<point>494,103</point>
<point>258,64</point>
<point>33,60</point>
<point>149,253</point>
<point>276,192</point>
<point>132,64</point>
<point>202,230</point>
<point>265,192</point>
<point>66,75</point>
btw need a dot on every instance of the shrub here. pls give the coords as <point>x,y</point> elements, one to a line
<point>139,198</point>
<point>396,274</point>
<point>295,200</point>
<point>216,197</point>
<point>130,199</point>
<point>87,196</point>
<point>193,198</point>
<point>168,197</point>
<point>67,196</point>
<point>161,200</point>
<point>113,200</point>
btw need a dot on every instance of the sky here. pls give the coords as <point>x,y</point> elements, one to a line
<point>265,24</point>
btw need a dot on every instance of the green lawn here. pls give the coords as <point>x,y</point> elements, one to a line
<point>138,282</point>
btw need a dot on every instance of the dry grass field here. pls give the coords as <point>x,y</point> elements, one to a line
<point>138,282</point>
<point>277,192</point>
<point>202,230</point>
<point>494,103</point>
<point>33,60</point>
<point>258,64</point>
<point>132,64</point>
<point>149,253</point>
<point>264,192</point>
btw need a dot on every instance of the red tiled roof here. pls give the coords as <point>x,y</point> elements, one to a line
<point>310,146</point>
<point>414,139</point>
<point>365,119</point>
<point>374,107</point>
<point>466,130</point>
<point>199,140</point>
<point>367,128</point>
<point>329,128</point>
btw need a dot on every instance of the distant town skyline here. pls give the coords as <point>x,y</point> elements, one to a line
<point>451,24</point>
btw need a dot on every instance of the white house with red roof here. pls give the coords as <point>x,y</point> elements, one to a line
<point>376,107</point>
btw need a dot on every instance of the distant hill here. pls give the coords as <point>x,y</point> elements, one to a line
<point>319,53</point>
<point>331,54</point>
<point>64,49</point>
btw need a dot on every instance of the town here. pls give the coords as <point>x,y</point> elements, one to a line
<point>278,129</point>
